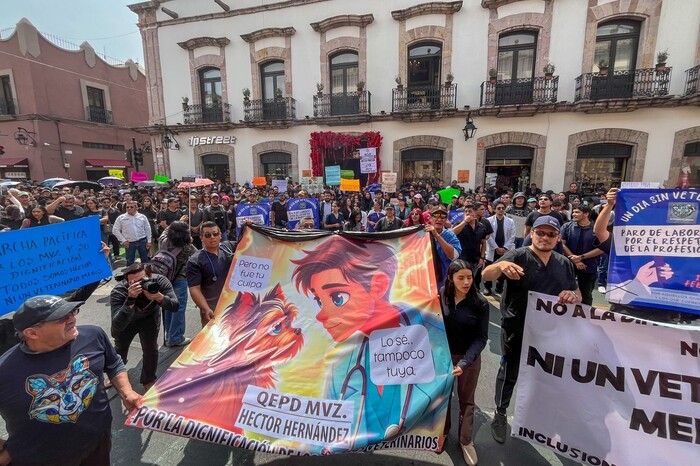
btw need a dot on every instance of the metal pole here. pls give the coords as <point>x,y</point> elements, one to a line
<point>133,152</point>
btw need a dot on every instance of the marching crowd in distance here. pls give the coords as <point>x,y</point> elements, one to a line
<point>185,239</point>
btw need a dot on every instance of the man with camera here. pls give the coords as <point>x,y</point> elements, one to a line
<point>136,304</point>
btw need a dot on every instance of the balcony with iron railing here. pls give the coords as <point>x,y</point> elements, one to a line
<point>627,84</point>
<point>98,115</point>
<point>692,81</point>
<point>539,90</point>
<point>280,108</point>
<point>207,113</point>
<point>421,98</point>
<point>342,104</point>
<point>7,107</point>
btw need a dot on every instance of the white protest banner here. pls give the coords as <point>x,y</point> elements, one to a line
<point>607,389</point>
<point>368,164</point>
<point>368,152</point>
<point>281,185</point>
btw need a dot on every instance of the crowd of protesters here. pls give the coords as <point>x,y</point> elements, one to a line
<point>474,232</point>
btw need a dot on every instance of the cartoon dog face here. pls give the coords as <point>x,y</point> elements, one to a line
<point>63,396</point>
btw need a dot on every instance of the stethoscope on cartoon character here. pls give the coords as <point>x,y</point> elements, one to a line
<point>394,430</point>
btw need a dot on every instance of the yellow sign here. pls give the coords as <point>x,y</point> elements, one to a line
<point>117,173</point>
<point>349,185</point>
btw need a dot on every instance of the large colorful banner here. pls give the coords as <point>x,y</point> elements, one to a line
<point>656,250</point>
<point>259,214</point>
<point>51,259</point>
<point>298,209</point>
<point>625,392</point>
<point>321,343</point>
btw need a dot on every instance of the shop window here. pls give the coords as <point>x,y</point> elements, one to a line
<point>422,165</point>
<point>509,167</point>
<point>276,165</point>
<point>601,166</point>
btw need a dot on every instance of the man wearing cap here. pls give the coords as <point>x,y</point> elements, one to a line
<point>196,217</point>
<point>518,212</point>
<point>172,213</point>
<point>537,268</point>
<point>216,213</point>
<point>52,398</point>
<point>448,246</point>
<point>389,222</point>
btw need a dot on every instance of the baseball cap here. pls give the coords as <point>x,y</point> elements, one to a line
<point>418,196</point>
<point>225,198</point>
<point>23,193</point>
<point>547,220</point>
<point>389,207</point>
<point>438,209</point>
<point>517,195</point>
<point>454,196</point>
<point>214,194</point>
<point>43,308</point>
<point>532,199</point>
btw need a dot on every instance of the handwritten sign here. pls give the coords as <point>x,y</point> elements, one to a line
<point>350,185</point>
<point>307,173</point>
<point>347,174</point>
<point>51,259</point>
<point>388,178</point>
<point>281,185</point>
<point>259,181</point>
<point>117,173</point>
<point>368,152</point>
<point>368,164</point>
<point>462,176</point>
<point>138,177</point>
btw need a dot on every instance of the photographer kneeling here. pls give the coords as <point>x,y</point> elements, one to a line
<point>136,304</point>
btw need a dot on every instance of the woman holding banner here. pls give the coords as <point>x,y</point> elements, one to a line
<point>466,315</point>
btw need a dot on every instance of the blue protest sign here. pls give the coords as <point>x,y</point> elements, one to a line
<point>333,175</point>
<point>298,209</point>
<point>258,213</point>
<point>456,216</point>
<point>655,250</point>
<point>51,259</point>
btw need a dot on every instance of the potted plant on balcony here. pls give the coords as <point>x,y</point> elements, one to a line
<point>278,94</point>
<point>399,84</point>
<point>661,58</point>
<point>448,79</point>
<point>185,104</point>
<point>246,96</point>
<point>548,71</point>
<point>319,89</point>
<point>603,67</point>
<point>493,74</point>
<point>360,87</point>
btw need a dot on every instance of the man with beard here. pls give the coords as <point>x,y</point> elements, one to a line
<point>278,211</point>
<point>537,268</point>
<point>65,208</point>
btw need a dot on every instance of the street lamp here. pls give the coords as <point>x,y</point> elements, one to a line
<point>469,128</point>
<point>24,137</point>
<point>167,142</point>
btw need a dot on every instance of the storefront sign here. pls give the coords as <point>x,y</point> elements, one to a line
<point>204,140</point>
<point>15,175</point>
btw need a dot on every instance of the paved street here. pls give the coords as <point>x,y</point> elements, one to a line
<point>132,446</point>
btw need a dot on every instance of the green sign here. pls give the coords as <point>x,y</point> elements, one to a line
<point>161,178</point>
<point>347,174</point>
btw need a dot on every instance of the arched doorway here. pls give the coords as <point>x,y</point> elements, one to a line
<point>276,165</point>
<point>509,167</point>
<point>601,166</point>
<point>216,167</point>
<point>422,165</point>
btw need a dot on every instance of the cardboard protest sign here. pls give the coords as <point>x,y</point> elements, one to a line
<point>298,209</point>
<point>50,259</point>
<point>656,250</point>
<point>607,399</point>
<point>117,173</point>
<point>259,181</point>
<point>281,185</point>
<point>293,364</point>
<point>161,178</point>
<point>462,176</point>
<point>258,213</point>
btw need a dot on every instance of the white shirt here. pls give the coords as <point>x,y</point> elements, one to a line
<point>132,228</point>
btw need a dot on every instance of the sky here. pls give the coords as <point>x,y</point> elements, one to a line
<point>108,25</point>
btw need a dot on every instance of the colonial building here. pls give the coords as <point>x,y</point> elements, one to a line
<point>593,91</point>
<point>66,113</point>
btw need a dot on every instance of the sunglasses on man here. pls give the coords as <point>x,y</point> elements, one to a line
<point>548,234</point>
<point>212,234</point>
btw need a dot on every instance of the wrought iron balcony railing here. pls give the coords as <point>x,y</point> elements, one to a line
<point>644,82</point>
<point>539,90</point>
<point>98,115</point>
<point>7,107</point>
<point>692,80</point>
<point>349,103</point>
<point>406,99</point>
<point>281,108</point>
<point>207,113</point>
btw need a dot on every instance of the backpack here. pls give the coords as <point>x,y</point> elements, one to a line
<point>165,263</point>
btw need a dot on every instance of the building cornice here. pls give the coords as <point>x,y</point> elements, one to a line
<point>266,33</point>
<point>341,21</point>
<point>432,8</point>
<point>494,4</point>
<point>198,42</point>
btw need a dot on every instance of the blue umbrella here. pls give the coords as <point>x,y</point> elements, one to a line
<point>51,181</point>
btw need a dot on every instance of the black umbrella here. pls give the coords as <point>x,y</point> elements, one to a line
<point>94,185</point>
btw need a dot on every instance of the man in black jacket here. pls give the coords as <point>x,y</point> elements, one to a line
<point>136,311</point>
